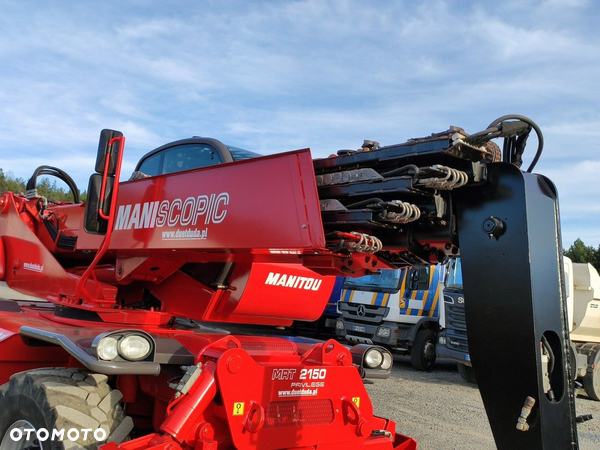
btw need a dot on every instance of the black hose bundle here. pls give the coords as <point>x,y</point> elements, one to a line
<point>515,130</point>
<point>49,170</point>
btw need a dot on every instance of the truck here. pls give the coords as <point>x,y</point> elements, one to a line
<point>583,310</point>
<point>324,326</point>
<point>582,286</point>
<point>123,354</point>
<point>452,341</point>
<point>394,308</point>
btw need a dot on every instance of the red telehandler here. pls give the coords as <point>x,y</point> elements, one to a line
<point>129,351</point>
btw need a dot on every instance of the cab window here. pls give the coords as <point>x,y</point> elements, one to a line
<point>382,281</point>
<point>240,154</point>
<point>179,158</point>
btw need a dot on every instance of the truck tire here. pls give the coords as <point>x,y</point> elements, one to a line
<point>466,373</point>
<point>591,380</point>
<point>422,352</point>
<point>60,399</point>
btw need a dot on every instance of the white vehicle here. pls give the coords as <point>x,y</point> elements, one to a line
<point>582,285</point>
<point>452,340</point>
<point>583,305</point>
<point>398,309</point>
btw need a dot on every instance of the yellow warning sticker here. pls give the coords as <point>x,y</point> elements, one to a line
<point>356,401</point>
<point>238,408</point>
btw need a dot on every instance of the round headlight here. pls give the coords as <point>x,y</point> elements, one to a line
<point>134,347</point>
<point>387,361</point>
<point>373,358</point>
<point>107,348</point>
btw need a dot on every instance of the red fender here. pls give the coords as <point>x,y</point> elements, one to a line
<point>2,260</point>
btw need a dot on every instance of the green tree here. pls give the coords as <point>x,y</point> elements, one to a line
<point>9,183</point>
<point>53,192</point>
<point>45,187</point>
<point>581,253</point>
<point>596,261</point>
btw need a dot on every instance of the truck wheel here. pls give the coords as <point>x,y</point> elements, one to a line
<point>467,373</point>
<point>591,380</point>
<point>51,400</point>
<point>422,352</point>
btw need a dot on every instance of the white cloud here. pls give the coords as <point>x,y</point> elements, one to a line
<point>563,4</point>
<point>147,29</point>
<point>275,76</point>
<point>579,201</point>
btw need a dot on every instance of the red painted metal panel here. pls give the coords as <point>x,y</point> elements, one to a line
<point>265,203</point>
<point>30,267</point>
<point>15,356</point>
<point>2,259</point>
<point>285,291</point>
<point>251,393</point>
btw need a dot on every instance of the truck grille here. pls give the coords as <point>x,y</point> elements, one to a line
<point>455,318</point>
<point>456,325</point>
<point>372,314</point>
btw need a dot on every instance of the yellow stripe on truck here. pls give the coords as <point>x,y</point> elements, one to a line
<point>413,296</point>
<point>386,299</point>
<point>402,288</point>
<point>427,292</point>
<point>435,300</point>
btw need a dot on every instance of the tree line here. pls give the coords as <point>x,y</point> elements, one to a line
<point>581,253</point>
<point>45,187</point>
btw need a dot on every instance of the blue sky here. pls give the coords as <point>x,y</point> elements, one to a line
<point>280,75</point>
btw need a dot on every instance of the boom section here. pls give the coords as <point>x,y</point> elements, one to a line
<point>401,195</point>
<point>261,204</point>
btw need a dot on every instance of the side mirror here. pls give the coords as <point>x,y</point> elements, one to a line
<point>418,279</point>
<point>93,223</point>
<point>107,151</point>
<point>95,205</point>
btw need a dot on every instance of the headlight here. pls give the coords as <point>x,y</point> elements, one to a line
<point>339,324</point>
<point>107,348</point>
<point>134,347</point>
<point>442,340</point>
<point>374,361</point>
<point>128,345</point>
<point>388,360</point>
<point>373,358</point>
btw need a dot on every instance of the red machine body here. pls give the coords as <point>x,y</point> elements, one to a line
<point>145,277</point>
<point>206,249</point>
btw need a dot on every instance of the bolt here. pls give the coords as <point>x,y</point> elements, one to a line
<point>234,364</point>
<point>363,428</point>
<point>493,227</point>
<point>206,432</point>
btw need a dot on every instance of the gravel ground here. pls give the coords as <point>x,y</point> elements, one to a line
<point>442,412</point>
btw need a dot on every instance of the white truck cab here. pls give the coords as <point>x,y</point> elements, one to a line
<point>398,309</point>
